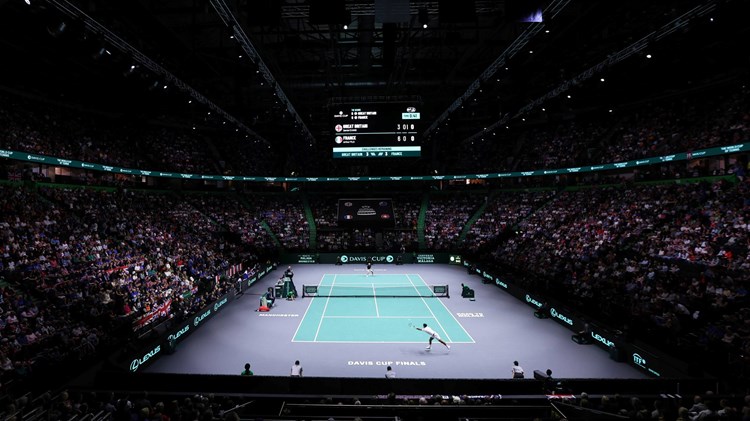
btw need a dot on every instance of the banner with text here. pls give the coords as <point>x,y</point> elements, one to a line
<point>682,156</point>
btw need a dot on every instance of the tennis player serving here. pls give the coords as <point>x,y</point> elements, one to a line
<point>433,335</point>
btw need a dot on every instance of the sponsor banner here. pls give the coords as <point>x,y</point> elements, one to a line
<point>307,258</point>
<point>362,258</point>
<point>535,302</point>
<point>390,151</point>
<point>649,360</point>
<point>142,359</point>
<point>603,338</point>
<point>471,315</point>
<point>366,363</point>
<point>562,315</point>
<point>653,362</point>
<point>425,258</point>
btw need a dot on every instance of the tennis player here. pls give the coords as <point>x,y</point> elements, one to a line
<point>369,269</point>
<point>433,335</point>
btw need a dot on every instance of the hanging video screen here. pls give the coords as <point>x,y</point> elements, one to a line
<point>380,130</point>
<point>370,212</point>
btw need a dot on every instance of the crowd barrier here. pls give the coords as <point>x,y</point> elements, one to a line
<point>362,387</point>
<point>153,349</point>
<point>375,258</point>
<point>642,356</point>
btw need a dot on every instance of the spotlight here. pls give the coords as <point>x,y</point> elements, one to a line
<point>101,53</point>
<point>58,30</point>
<point>346,27</point>
<point>28,2</point>
<point>422,17</point>
<point>129,71</point>
<point>648,55</point>
<point>602,79</point>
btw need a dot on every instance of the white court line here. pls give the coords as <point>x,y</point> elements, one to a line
<point>320,323</point>
<point>451,313</point>
<point>374,270</point>
<point>376,317</point>
<point>308,309</point>
<point>374,298</point>
<point>366,342</point>
<point>428,308</point>
<point>380,284</point>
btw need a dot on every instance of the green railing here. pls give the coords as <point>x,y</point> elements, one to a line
<point>682,156</point>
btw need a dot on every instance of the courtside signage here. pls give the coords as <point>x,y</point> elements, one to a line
<point>177,335</point>
<point>136,363</point>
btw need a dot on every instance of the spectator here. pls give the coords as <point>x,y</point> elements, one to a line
<point>247,371</point>
<point>296,369</point>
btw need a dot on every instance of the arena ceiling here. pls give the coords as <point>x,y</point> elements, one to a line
<point>54,54</point>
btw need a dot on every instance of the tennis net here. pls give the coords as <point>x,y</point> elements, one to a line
<point>388,291</point>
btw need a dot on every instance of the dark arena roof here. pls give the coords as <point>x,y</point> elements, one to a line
<point>586,157</point>
<point>472,67</point>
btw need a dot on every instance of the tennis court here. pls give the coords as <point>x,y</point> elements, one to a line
<point>385,308</point>
<point>348,336</point>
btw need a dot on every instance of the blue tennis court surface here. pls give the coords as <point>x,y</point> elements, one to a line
<point>376,319</point>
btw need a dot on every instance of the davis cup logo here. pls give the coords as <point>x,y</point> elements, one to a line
<point>344,259</point>
<point>389,259</point>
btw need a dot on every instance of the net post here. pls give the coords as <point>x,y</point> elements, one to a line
<point>309,290</point>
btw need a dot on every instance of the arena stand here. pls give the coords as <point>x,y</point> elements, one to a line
<point>81,266</point>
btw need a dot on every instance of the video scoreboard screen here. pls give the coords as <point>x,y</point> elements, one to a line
<point>376,131</point>
<point>370,212</point>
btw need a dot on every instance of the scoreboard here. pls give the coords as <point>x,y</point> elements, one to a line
<point>380,130</point>
<point>369,212</point>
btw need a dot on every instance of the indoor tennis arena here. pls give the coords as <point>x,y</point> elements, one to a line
<point>374,210</point>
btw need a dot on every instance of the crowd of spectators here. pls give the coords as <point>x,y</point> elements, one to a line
<point>229,212</point>
<point>57,131</point>
<point>79,264</point>
<point>682,124</point>
<point>675,254</point>
<point>285,215</point>
<point>446,217</point>
<point>502,213</point>
<point>73,404</point>
<point>332,237</point>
